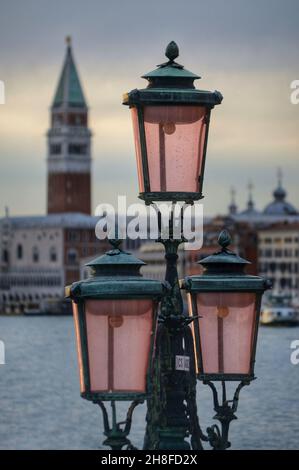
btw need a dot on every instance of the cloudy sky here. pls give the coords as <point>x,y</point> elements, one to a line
<point>246,49</point>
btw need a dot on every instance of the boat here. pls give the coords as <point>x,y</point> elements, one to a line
<point>279,310</point>
<point>49,307</point>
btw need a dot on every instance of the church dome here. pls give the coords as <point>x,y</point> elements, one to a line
<point>279,193</point>
<point>279,206</point>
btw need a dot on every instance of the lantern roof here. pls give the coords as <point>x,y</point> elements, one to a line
<point>224,271</point>
<point>116,258</point>
<point>116,275</point>
<point>171,83</point>
<point>171,69</point>
<point>224,257</point>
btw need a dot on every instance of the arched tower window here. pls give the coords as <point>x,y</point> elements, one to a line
<point>35,254</point>
<point>5,256</point>
<point>72,256</point>
<point>19,251</point>
<point>53,254</point>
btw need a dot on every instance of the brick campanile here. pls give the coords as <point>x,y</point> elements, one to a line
<point>69,160</point>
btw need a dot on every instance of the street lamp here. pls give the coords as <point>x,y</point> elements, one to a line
<point>115,320</point>
<point>134,338</point>
<point>171,125</point>
<point>226,303</point>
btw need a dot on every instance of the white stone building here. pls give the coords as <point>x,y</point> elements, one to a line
<point>39,256</point>
<point>278,253</point>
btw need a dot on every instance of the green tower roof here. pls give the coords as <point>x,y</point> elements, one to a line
<point>69,91</point>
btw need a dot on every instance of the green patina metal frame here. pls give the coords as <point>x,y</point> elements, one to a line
<point>224,272</point>
<point>124,284</point>
<point>170,85</point>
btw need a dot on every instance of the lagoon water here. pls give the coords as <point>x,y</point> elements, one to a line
<point>40,405</point>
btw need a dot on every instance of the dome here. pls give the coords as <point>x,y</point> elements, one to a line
<point>280,206</point>
<point>279,193</point>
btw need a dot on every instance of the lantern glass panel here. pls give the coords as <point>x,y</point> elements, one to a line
<point>119,341</point>
<point>226,331</point>
<point>137,149</point>
<point>175,138</point>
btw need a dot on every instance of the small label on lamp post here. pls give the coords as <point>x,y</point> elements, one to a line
<point>182,363</point>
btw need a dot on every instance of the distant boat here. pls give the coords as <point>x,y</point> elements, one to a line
<point>279,310</point>
<point>32,310</point>
<point>54,308</point>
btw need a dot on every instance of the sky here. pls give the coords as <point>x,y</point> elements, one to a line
<point>247,50</point>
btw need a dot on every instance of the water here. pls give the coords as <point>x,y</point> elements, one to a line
<point>40,405</point>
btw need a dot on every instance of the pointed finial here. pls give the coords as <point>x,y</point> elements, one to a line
<point>279,177</point>
<point>224,239</point>
<point>233,195</point>
<point>172,51</point>
<point>232,208</point>
<point>115,240</point>
<point>250,188</point>
<point>68,41</point>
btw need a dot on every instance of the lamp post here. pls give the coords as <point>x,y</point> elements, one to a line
<point>134,339</point>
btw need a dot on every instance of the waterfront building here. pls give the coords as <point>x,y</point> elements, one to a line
<point>278,252</point>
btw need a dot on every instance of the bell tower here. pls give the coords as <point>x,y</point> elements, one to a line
<point>69,139</point>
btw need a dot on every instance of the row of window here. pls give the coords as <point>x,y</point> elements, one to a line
<point>80,235</point>
<point>35,254</point>
<point>284,283</point>
<point>278,253</point>
<point>281,240</point>
<point>72,254</point>
<point>27,297</point>
<point>70,119</point>
<point>282,267</point>
<point>73,149</point>
<point>14,281</point>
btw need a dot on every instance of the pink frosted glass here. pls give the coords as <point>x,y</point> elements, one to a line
<point>175,138</point>
<point>119,336</point>
<point>226,331</point>
<point>137,148</point>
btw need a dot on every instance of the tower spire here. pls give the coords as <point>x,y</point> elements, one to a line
<point>232,208</point>
<point>279,177</point>
<point>69,91</point>
<point>279,193</point>
<point>250,203</point>
<point>68,41</point>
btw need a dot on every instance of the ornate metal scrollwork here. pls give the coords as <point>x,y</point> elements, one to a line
<point>116,435</point>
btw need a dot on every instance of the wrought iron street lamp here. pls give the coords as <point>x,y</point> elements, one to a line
<point>115,319</point>
<point>226,304</point>
<point>171,125</point>
<point>120,358</point>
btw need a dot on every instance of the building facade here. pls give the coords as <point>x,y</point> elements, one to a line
<point>278,247</point>
<point>40,255</point>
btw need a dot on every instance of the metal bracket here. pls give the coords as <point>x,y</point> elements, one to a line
<point>117,436</point>
<point>225,413</point>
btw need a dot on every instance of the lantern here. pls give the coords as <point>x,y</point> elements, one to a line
<point>171,124</point>
<point>115,316</point>
<point>227,302</point>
